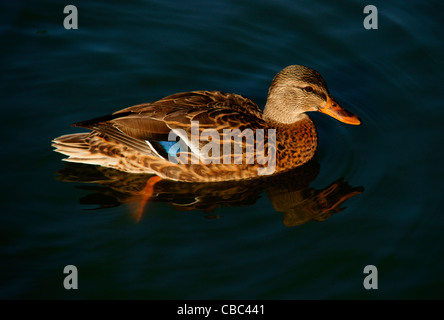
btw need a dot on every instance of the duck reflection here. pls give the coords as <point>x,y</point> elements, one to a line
<point>289,193</point>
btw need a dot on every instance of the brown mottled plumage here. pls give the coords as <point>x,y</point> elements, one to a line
<point>129,139</point>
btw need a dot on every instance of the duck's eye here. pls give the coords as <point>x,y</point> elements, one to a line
<point>308,89</point>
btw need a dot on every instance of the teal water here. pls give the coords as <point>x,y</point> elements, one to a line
<point>125,53</point>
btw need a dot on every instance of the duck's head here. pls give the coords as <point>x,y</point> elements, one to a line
<point>298,89</point>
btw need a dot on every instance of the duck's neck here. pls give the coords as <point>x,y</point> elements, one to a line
<point>280,117</point>
<point>279,102</point>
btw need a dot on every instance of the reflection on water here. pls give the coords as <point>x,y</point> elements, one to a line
<point>289,193</point>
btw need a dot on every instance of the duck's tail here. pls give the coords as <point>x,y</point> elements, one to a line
<point>97,149</point>
<point>78,148</point>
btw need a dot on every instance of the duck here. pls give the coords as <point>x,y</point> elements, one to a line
<point>210,136</point>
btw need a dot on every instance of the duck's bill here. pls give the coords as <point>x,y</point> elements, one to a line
<point>334,110</point>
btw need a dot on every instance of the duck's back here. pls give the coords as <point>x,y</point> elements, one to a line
<point>193,100</point>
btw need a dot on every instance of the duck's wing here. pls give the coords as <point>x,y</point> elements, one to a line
<point>144,127</point>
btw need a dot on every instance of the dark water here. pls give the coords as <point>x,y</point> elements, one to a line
<point>125,53</point>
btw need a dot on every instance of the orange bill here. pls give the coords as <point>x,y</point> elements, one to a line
<point>334,110</point>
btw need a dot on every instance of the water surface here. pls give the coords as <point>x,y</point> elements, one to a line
<point>128,53</point>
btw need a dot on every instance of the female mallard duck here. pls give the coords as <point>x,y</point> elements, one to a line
<point>210,148</point>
